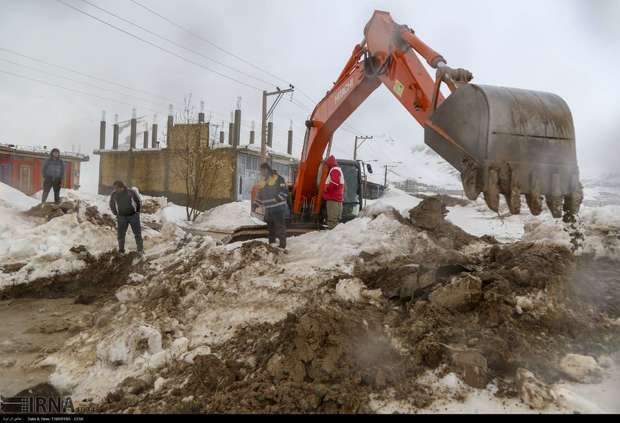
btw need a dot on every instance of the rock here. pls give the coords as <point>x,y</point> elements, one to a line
<point>429,214</point>
<point>532,391</point>
<point>473,368</point>
<point>12,268</point>
<point>198,351</point>
<point>463,294</point>
<point>134,386</point>
<point>416,281</point>
<point>524,304</point>
<point>67,206</point>
<point>350,290</point>
<point>159,383</point>
<point>158,360</point>
<point>179,347</point>
<point>85,299</point>
<point>127,294</point>
<point>581,368</point>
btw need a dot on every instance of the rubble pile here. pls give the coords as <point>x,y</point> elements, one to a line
<point>202,327</point>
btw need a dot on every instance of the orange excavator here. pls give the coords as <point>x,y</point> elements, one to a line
<point>504,141</point>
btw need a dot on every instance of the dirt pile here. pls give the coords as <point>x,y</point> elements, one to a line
<point>317,360</point>
<point>101,277</point>
<point>430,215</point>
<point>50,211</point>
<point>502,314</point>
<point>94,216</point>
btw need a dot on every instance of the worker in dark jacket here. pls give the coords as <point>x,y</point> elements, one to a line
<point>125,205</point>
<point>272,195</point>
<point>53,172</point>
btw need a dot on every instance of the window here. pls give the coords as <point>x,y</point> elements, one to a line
<point>5,173</point>
<point>25,179</point>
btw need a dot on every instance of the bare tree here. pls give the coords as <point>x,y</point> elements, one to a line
<point>198,169</point>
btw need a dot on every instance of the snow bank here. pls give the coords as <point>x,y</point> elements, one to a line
<point>477,219</point>
<point>600,227</point>
<point>393,197</point>
<point>15,199</point>
<point>227,217</point>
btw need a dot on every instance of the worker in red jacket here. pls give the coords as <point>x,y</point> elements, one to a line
<point>333,193</point>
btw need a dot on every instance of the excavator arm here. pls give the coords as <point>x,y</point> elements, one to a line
<point>389,55</point>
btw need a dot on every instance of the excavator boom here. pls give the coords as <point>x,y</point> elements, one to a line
<point>504,141</point>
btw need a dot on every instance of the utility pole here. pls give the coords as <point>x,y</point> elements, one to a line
<point>389,166</point>
<point>266,115</point>
<point>363,140</point>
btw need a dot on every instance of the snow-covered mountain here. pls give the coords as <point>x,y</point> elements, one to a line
<point>408,162</point>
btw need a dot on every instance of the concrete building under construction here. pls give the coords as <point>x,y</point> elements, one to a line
<point>161,170</point>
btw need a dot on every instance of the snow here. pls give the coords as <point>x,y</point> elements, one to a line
<point>477,219</point>
<point>414,162</point>
<point>96,360</point>
<point>12,198</point>
<point>226,217</point>
<point>393,197</point>
<point>454,397</point>
<point>600,225</point>
<point>46,247</point>
<point>581,368</point>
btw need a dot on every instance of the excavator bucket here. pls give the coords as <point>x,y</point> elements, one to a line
<point>509,142</point>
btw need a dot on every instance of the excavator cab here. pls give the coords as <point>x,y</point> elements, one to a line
<point>353,203</point>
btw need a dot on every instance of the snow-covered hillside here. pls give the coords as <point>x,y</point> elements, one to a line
<point>408,161</point>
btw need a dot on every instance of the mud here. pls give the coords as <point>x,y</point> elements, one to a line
<point>50,211</point>
<point>317,360</point>
<point>506,314</point>
<point>101,277</point>
<point>31,329</point>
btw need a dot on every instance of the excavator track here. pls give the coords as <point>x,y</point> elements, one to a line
<point>247,233</point>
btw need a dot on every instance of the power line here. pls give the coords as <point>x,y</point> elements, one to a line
<point>34,59</point>
<point>76,81</point>
<point>223,50</point>
<point>198,36</point>
<point>157,46</point>
<point>70,89</point>
<point>175,43</point>
<point>352,131</point>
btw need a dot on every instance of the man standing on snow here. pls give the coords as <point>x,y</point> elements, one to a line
<point>125,205</point>
<point>273,197</point>
<point>333,194</point>
<point>53,172</point>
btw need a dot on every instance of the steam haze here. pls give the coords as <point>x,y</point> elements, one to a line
<point>569,47</point>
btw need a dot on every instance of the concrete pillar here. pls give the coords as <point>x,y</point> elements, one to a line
<point>252,134</point>
<point>201,114</point>
<point>169,125</point>
<point>237,129</point>
<point>133,130</point>
<point>154,133</point>
<point>270,134</point>
<point>231,133</point>
<point>289,147</point>
<point>221,137</point>
<point>115,133</point>
<point>102,132</point>
<point>145,143</point>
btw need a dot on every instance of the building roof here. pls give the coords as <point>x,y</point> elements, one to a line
<point>42,152</point>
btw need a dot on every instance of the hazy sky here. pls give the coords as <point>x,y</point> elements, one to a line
<point>569,47</point>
